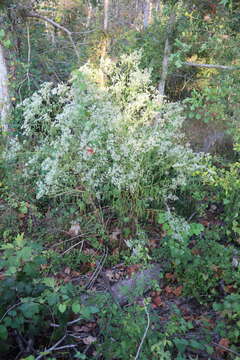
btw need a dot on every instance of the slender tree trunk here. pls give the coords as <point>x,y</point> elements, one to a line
<point>105,40</point>
<point>106,10</point>
<point>166,55</point>
<point>5,102</point>
<point>158,6</point>
<point>147,13</point>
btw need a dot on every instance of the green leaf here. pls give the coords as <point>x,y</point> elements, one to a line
<point>20,241</point>
<point>2,34</point>
<point>161,218</point>
<point>7,43</point>
<point>196,345</point>
<point>29,309</point>
<point>62,308</point>
<point>93,309</point>
<point>76,308</point>
<point>25,253</point>
<point>181,344</point>
<point>3,332</point>
<point>79,355</point>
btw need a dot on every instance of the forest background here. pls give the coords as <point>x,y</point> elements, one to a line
<point>119,183</point>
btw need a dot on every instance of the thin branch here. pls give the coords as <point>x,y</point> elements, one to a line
<point>226,349</point>
<point>73,246</point>
<point>65,347</point>
<point>144,335</point>
<point>11,308</point>
<point>58,26</point>
<point>98,269</point>
<point>48,351</point>
<point>29,55</point>
<point>212,66</point>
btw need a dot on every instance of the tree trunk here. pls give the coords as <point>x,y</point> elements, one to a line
<point>147,14</point>
<point>166,55</point>
<point>5,102</point>
<point>105,40</point>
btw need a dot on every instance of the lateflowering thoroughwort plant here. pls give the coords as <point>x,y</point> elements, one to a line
<point>117,143</point>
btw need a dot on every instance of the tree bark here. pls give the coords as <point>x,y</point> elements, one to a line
<point>166,55</point>
<point>105,40</point>
<point>147,15</point>
<point>106,10</point>
<point>212,66</point>
<point>5,101</point>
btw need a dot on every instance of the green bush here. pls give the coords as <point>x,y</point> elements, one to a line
<point>29,301</point>
<point>116,144</point>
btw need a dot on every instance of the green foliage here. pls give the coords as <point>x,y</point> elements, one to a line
<point>28,299</point>
<point>227,184</point>
<point>230,309</point>
<point>126,141</point>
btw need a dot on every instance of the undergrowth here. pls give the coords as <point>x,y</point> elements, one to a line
<point>102,176</point>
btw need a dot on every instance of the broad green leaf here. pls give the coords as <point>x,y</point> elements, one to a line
<point>3,332</point>
<point>62,308</point>
<point>76,308</point>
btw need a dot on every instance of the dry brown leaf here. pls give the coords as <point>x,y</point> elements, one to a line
<point>157,301</point>
<point>178,290</point>
<point>132,269</point>
<point>169,276</point>
<point>223,342</point>
<point>67,270</point>
<point>115,234</point>
<point>89,340</point>
<point>74,230</point>
<point>83,328</point>
<point>168,290</point>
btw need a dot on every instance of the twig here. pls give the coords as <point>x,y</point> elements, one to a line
<point>65,347</point>
<point>12,307</point>
<point>69,323</point>
<point>191,216</point>
<point>226,349</point>
<point>73,246</point>
<point>47,351</point>
<point>55,24</point>
<point>98,269</point>
<point>144,335</point>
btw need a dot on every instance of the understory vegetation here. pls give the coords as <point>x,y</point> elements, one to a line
<point>119,208</point>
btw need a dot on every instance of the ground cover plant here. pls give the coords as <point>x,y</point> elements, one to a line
<point>119,209</point>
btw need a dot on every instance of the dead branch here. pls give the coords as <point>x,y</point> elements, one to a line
<point>58,26</point>
<point>212,66</point>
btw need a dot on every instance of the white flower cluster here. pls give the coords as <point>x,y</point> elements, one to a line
<point>119,137</point>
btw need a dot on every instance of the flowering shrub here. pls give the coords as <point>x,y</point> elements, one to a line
<point>107,141</point>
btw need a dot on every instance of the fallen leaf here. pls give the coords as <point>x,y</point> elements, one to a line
<point>110,275</point>
<point>195,252</point>
<point>115,234</point>
<point>67,270</point>
<point>83,328</point>
<point>169,276</point>
<point>157,301</point>
<point>132,269</point>
<point>89,340</point>
<point>230,289</point>
<point>76,273</point>
<point>74,230</point>
<point>223,342</point>
<point>178,290</point>
<point>168,290</point>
